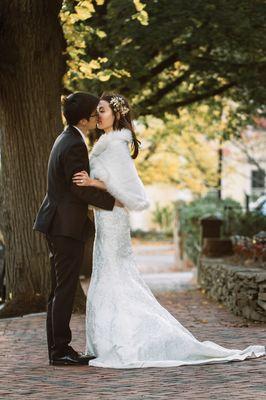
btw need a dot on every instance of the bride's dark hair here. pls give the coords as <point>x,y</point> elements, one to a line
<point>124,121</point>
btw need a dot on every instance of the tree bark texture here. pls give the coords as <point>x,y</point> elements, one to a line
<point>31,70</point>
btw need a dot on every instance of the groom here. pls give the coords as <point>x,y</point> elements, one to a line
<point>63,218</point>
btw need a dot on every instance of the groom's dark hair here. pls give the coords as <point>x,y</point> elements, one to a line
<point>78,105</point>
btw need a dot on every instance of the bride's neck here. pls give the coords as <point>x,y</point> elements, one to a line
<point>108,130</point>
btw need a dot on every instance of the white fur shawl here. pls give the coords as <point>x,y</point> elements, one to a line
<point>110,161</point>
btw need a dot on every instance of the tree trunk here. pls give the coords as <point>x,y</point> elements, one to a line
<point>31,70</point>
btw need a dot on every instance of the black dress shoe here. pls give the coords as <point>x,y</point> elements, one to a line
<point>86,358</point>
<point>67,359</point>
<point>71,359</point>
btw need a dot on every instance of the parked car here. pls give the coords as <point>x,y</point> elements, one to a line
<point>259,205</point>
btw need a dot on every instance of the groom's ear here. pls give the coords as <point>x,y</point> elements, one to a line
<point>83,121</point>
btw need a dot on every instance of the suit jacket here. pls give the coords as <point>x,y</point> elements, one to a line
<point>64,210</point>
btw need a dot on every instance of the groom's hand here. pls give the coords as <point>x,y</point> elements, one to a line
<point>118,203</point>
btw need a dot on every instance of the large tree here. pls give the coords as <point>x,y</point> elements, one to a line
<point>31,70</point>
<point>32,65</point>
<point>187,52</point>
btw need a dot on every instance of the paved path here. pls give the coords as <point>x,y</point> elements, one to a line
<point>24,373</point>
<point>156,262</point>
<point>155,257</point>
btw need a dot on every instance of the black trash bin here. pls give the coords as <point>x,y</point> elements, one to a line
<point>211,243</point>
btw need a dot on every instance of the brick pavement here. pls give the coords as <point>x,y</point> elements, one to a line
<point>24,372</point>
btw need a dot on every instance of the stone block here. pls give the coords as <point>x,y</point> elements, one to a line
<point>241,289</point>
<point>262,304</point>
<point>262,288</point>
<point>262,296</point>
<point>261,277</point>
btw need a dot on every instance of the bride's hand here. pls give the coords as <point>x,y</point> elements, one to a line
<point>119,204</point>
<point>82,179</point>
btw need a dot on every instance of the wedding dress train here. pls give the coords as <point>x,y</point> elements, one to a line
<point>126,327</point>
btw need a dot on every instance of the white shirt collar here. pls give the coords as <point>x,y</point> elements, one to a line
<point>82,134</point>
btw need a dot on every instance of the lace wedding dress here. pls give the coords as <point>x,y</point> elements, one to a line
<point>126,327</point>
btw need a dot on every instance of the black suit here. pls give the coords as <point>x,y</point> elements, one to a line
<point>63,218</point>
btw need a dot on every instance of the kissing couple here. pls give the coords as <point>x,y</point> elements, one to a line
<point>126,327</point>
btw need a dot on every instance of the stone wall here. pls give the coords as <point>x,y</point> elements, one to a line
<point>242,289</point>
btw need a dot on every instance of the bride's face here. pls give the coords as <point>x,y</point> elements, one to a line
<point>105,116</point>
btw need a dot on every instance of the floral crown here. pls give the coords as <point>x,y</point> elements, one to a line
<point>119,105</point>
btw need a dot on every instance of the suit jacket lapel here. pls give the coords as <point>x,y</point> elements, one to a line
<point>73,130</point>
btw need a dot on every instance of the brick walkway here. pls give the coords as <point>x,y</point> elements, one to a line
<point>24,372</point>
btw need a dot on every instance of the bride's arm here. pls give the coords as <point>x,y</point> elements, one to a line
<point>82,179</point>
<point>119,174</point>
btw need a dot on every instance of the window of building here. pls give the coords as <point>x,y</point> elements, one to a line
<point>258,179</point>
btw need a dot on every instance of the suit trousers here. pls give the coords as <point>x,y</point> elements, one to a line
<point>66,255</point>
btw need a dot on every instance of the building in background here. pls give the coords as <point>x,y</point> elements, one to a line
<point>244,165</point>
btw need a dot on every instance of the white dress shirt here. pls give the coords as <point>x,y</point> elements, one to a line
<point>82,134</point>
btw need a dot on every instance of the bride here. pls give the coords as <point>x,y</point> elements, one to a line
<point>126,327</point>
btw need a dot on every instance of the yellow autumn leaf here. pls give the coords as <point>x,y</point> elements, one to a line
<point>142,17</point>
<point>101,34</point>
<point>119,73</point>
<point>104,76</point>
<point>85,68</point>
<point>139,6</point>
<point>83,13</point>
<point>87,4</point>
<point>102,59</point>
<point>72,19</point>
<point>80,43</point>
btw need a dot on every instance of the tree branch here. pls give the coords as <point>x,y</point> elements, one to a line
<point>159,68</point>
<point>191,99</point>
<point>250,158</point>
<point>162,92</point>
<point>101,10</point>
<point>166,63</point>
<point>259,64</point>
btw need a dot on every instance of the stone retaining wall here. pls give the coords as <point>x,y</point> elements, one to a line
<point>241,289</point>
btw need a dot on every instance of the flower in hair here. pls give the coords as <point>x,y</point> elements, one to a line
<point>119,105</point>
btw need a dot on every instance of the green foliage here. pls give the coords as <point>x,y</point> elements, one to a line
<point>170,54</point>
<point>163,217</point>
<point>152,235</point>
<point>250,224</point>
<point>190,215</point>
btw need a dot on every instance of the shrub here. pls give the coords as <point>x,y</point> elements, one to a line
<point>250,224</point>
<point>163,217</point>
<point>190,215</point>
